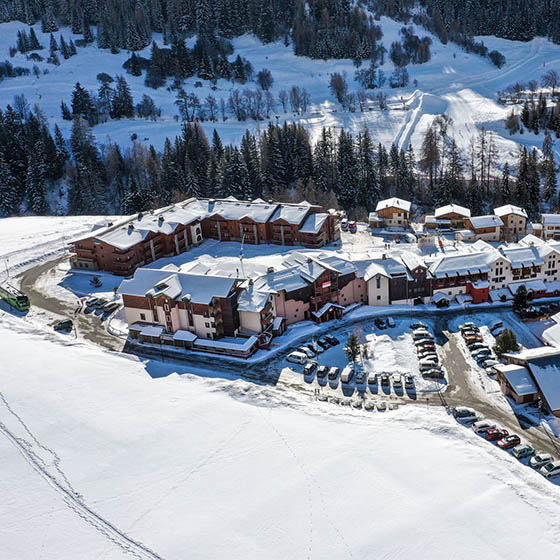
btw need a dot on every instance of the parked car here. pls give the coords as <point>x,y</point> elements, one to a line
<point>380,323</point>
<point>347,375</point>
<point>307,351</point>
<point>314,347</point>
<point>333,373</point>
<point>489,364</point>
<point>344,224</point>
<point>397,380</point>
<point>385,380</point>
<point>390,322</point>
<point>473,338</point>
<point>110,307</point>
<point>424,342</point>
<point>310,367</point>
<point>418,325</point>
<point>482,426</point>
<point>100,303</point>
<point>428,363</point>
<point>497,325</point>
<point>323,342</point>
<point>509,441</point>
<point>352,227</point>
<point>382,406</point>
<point>409,382</point>
<point>91,301</point>
<point>297,357</point>
<point>464,414</point>
<point>432,373</point>
<point>540,460</point>
<point>372,378</point>
<point>467,325</point>
<point>332,340</point>
<point>523,450</point>
<point>421,335</point>
<point>64,325</point>
<point>551,470</point>
<point>361,376</point>
<point>476,346</point>
<point>322,372</point>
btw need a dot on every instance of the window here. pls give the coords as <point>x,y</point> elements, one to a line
<point>207,325</point>
<point>378,297</point>
<point>142,316</point>
<point>378,283</point>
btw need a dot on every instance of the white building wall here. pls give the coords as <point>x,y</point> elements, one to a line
<point>133,315</point>
<point>378,296</point>
<point>200,328</point>
<point>250,321</point>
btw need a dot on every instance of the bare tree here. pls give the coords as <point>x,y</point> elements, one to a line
<point>283,98</point>
<point>269,103</point>
<point>338,87</point>
<point>295,99</point>
<point>305,100</point>
<point>223,111</point>
<point>550,79</point>
<point>212,106</point>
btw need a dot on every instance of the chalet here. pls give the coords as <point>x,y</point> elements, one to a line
<point>487,228</point>
<point>431,222</point>
<point>517,382</point>
<point>515,221</point>
<point>375,220</point>
<point>550,226</point>
<point>457,215</point>
<point>395,212</point>
<point>419,287</point>
<point>387,281</point>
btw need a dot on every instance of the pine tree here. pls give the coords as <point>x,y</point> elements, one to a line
<point>122,105</point>
<point>35,184</point>
<point>505,186</point>
<point>66,114</point>
<point>8,189</point>
<point>64,49</point>
<point>82,105</point>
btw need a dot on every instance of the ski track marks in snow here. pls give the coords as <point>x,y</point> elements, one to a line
<point>44,460</point>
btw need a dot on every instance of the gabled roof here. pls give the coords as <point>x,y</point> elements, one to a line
<point>452,209</point>
<point>519,378</point>
<point>510,209</point>
<point>462,264</point>
<point>313,223</point>
<point>306,267</point>
<point>390,268</point>
<point>522,256</point>
<point>252,300</point>
<point>531,240</point>
<point>291,213</point>
<point>394,203</point>
<point>412,261</point>
<point>546,371</point>
<point>550,219</point>
<point>479,222</point>
<point>199,289</point>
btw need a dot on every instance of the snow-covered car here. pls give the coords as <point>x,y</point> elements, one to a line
<point>297,357</point>
<point>322,372</point>
<point>310,367</point>
<point>111,306</point>
<point>464,414</point>
<point>482,426</point>
<point>476,346</point>
<point>523,450</point>
<point>372,378</point>
<point>467,325</point>
<point>390,322</point>
<point>420,334</point>
<point>385,380</point>
<point>314,347</point>
<point>382,406</point>
<point>369,405</point>
<point>332,340</point>
<point>352,227</point>
<point>333,373</point>
<point>432,373</point>
<point>418,325</point>
<point>307,351</point>
<point>496,434</point>
<point>347,374</point>
<point>551,470</point>
<point>344,224</point>
<point>361,376</point>
<point>380,323</point>
<point>409,381</point>
<point>424,342</point>
<point>540,460</point>
<point>428,362</point>
<point>428,353</point>
<point>324,343</point>
<point>397,380</point>
<point>490,363</point>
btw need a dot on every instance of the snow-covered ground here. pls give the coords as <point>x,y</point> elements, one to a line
<point>456,83</point>
<point>229,469</point>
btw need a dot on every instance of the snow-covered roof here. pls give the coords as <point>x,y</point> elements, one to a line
<point>522,256</point>
<point>462,264</point>
<point>388,267</point>
<point>431,219</point>
<point>500,295</point>
<point>277,280</point>
<point>480,284</point>
<point>313,223</point>
<point>519,378</point>
<point>291,213</point>
<point>252,300</point>
<point>440,296</point>
<point>394,203</point>
<point>533,285</point>
<point>481,245</point>
<point>227,343</point>
<point>550,219</point>
<point>531,240</point>
<point>306,267</point>
<point>199,289</point>
<point>479,222</point>
<point>528,354</point>
<point>552,334</point>
<point>320,312</point>
<point>232,209</point>
<point>452,209</point>
<point>334,262</point>
<point>375,217</point>
<point>510,209</point>
<point>185,336</point>
<point>146,329</point>
<point>546,371</point>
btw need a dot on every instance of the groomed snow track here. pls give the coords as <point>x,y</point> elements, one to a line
<point>73,500</point>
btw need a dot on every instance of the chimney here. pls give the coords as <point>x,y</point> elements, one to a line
<point>160,220</point>
<point>250,281</point>
<point>270,270</point>
<point>140,215</point>
<point>384,256</point>
<point>130,227</point>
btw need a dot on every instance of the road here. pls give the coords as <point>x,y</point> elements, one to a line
<point>461,390</point>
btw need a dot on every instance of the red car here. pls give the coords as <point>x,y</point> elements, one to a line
<point>509,441</point>
<point>495,434</point>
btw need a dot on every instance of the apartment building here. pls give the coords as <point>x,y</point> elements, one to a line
<point>455,214</point>
<point>550,226</point>
<point>515,221</point>
<point>487,228</point>
<point>393,212</point>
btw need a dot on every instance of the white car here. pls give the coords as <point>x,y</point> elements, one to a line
<point>397,380</point>
<point>297,357</point>
<point>390,322</point>
<point>551,470</point>
<point>540,460</point>
<point>482,426</point>
<point>360,376</point>
<point>432,362</point>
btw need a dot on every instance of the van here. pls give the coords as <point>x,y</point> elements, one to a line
<point>297,358</point>
<point>347,374</point>
<point>482,426</point>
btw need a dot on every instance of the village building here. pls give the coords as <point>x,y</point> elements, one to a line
<point>395,212</point>
<point>457,215</point>
<point>550,226</point>
<point>387,282</point>
<point>517,383</point>
<point>514,220</point>
<point>487,228</point>
<point>432,223</point>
